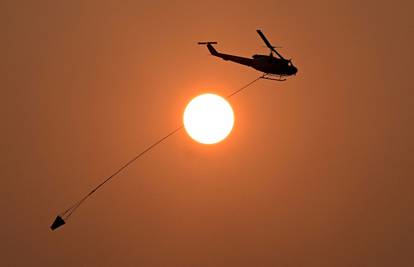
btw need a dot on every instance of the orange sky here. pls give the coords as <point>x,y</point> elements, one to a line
<point>318,170</point>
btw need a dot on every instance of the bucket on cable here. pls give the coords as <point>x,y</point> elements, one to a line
<point>57,223</point>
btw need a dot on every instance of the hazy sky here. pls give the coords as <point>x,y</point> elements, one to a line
<point>318,170</point>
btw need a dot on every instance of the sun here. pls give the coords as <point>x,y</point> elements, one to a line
<point>208,118</point>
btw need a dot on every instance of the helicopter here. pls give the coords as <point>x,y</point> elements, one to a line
<point>273,68</point>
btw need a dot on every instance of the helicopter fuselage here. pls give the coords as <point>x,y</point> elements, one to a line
<point>272,65</point>
<point>268,64</point>
<point>265,63</point>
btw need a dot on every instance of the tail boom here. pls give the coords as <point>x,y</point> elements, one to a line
<point>237,59</point>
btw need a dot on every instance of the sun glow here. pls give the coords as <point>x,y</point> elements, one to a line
<point>208,118</point>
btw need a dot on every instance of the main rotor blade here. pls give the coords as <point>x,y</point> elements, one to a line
<point>271,47</point>
<point>264,39</point>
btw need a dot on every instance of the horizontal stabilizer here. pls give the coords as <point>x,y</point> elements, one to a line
<point>206,43</point>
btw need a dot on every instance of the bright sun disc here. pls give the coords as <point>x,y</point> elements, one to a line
<point>208,118</point>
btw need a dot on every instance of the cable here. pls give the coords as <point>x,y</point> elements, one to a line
<point>68,212</point>
<point>247,85</point>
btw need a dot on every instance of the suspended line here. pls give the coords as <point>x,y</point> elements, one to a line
<point>68,212</point>
<point>247,85</point>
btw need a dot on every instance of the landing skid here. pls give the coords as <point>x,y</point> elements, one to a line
<point>268,76</point>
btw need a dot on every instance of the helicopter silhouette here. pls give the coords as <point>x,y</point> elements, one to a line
<point>270,65</point>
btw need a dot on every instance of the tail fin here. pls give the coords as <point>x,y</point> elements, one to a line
<point>212,50</point>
